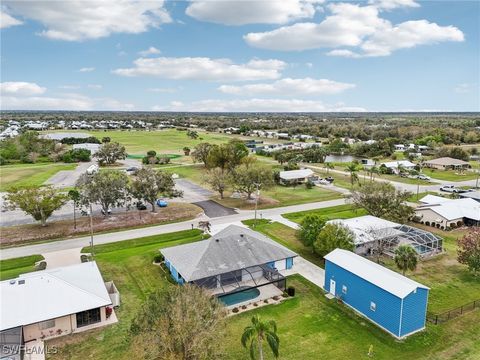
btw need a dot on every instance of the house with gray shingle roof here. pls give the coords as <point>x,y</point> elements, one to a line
<point>233,258</point>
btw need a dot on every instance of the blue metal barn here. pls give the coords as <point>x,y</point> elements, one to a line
<point>393,302</point>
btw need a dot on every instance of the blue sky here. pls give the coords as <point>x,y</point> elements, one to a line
<point>290,55</point>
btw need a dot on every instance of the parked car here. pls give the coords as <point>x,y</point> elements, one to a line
<point>132,170</point>
<point>323,182</point>
<point>450,189</point>
<point>329,179</point>
<point>404,175</point>
<point>423,177</point>
<point>162,203</point>
<point>92,169</point>
<point>141,206</point>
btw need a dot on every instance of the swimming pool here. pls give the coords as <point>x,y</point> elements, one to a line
<point>239,297</point>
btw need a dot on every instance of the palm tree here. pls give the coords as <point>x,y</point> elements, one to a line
<point>256,333</point>
<point>352,169</point>
<point>328,166</point>
<point>373,170</point>
<point>406,258</point>
<point>74,195</point>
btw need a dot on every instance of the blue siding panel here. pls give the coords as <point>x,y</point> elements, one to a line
<point>360,293</point>
<point>414,311</point>
<point>289,263</point>
<point>174,273</point>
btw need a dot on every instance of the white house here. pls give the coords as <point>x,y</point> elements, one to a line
<point>295,176</point>
<point>447,213</point>
<point>394,165</point>
<point>54,302</point>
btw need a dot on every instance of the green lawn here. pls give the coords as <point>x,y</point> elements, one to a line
<point>162,141</point>
<point>286,236</point>
<point>11,268</point>
<point>194,173</point>
<point>449,175</point>
<point>335,212</point>
<point>29,174</point>
<point>312,327</point>
<point>415,198</point>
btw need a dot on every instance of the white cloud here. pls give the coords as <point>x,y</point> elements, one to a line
<point>393,4</point>
<point>21,88</point>
<point>63,102</point>
<point>290,87</point>
<point>150,51</point>
<point>355,26</point>
<point>95,86</point>
<point>7,20</point>
<point>69,87</point>
<point>164,90</point>
<point>202,68</point>
<point>81,20</point>
<point>86,69</point>
<point>463,88</point>
<point>257,105</point>
<point>242,12</point>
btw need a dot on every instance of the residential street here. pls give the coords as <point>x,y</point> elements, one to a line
<point>154,230</point>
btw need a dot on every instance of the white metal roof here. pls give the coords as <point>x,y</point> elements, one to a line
<point>455,209</point>
<point>374,273</point>
<point>51,294</point>
<point>396,164</point>
<point>368,228</point>
<point>295,174</point>
<point>433,199</point>
<point>446,161</point>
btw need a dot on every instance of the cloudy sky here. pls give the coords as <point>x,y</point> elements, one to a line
<point>237,55</point>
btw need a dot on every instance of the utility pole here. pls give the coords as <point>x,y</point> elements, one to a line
<point>91,229</point>
<point>256,203</point>
<point>476,182</point>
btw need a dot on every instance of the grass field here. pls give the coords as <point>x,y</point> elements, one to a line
<point>286,236</point>
<point>11,268</point>
<point>449,175</point>
<point>162,141</point>
<point>335,212</point>
<point>310,326</point>
<point>29,174</point>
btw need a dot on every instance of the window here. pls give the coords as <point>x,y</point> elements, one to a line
<point>88,317</point>
<point>373,306</point>
<point>344,289</point>
<point>46,324</point>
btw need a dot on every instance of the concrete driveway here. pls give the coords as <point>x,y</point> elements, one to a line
<point>192,193</point>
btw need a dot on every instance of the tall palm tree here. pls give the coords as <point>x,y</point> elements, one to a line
<point>255,334</point>
<point>352,169</point>
<point>328,166</point>
<point>406,258</point>
<point>373,170</point>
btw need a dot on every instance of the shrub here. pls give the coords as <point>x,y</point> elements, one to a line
<point>255,304</point>
<point>244,307</point>
<point>308,185</point>
<point>158,258</point>
<point>42,265</point>
<point>108,311</point>
<point>265,301</point>
<point>235,310</point>
<point>285,295</point>
<point>276,297</point>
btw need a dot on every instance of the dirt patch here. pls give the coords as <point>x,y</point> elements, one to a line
<point>64,229</point>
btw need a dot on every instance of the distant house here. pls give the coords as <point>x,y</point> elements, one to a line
<point>52,303</point>
<point>295,176</point>
<point>393,302</point>
<point>446,163</point>
<point>446,213</point>
<point>232,261</point>
<point>369,230</point>
<point>395,165</point>
<point>59,136</point>
<point>399,147</point>
<point>475,195</point>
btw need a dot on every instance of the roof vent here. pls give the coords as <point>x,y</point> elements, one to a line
<point>217,240</point>
<point>12,282</point>
<point>21,282</point>
<point>241,235</point>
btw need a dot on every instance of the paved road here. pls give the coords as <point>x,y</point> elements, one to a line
<point>155,230</point>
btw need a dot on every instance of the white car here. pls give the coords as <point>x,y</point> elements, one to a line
<point>450,189</point>
<point>423,177</point>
